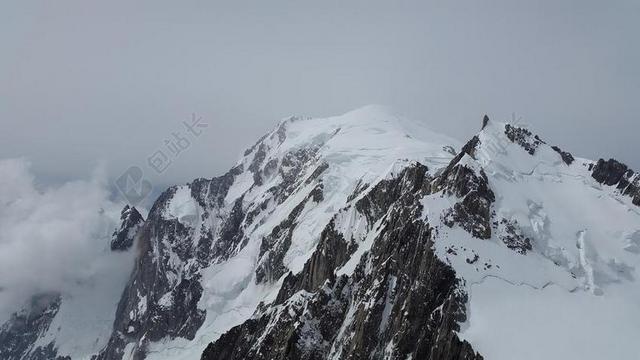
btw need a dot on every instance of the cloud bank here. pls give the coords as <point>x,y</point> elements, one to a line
<point>52,239</point>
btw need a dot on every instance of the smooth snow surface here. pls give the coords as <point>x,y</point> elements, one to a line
<point>520,322</point>
<point>183,207</point>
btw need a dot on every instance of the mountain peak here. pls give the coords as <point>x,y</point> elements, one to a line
<point>372,111</point>
<point>370,138</point>
<point>485,121</point>
<point>130,222</point>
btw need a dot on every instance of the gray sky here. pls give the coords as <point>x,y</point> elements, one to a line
<point>84,82</point>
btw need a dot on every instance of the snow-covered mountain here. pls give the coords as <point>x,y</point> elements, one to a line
<point>366,235</point>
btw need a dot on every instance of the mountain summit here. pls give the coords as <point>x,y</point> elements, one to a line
<point>367,235</point>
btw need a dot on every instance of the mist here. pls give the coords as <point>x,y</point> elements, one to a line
<point>86,83</point>
<point>54,239</point>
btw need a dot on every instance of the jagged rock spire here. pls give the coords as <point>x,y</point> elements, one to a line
<point>485,121</point>
<point>130,223</point>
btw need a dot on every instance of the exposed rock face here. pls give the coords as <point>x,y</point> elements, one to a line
<point>609,172</point>
<point>400,302</point>
<point>275,246</point>
<point>17,336</point>
<point>512,236</point>
<point>463,179</point>
<point>161,297</point>
<point>524,138</point>
<point>485,121</point>
<point>566,157</point>
<point>334,250</point>
<point>614,173</point>
<point>130,222</point>
<point>193,226</point>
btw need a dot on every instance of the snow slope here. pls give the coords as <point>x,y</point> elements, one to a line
<point>573,296</point>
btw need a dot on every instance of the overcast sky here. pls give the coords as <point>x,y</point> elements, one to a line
<point>85,82</point>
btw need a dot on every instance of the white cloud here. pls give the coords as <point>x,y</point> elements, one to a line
<point>51,239</point>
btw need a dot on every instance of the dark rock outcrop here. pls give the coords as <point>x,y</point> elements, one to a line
<point>523,137</point>
<point>615,173</point>
<point>463,180</point>
<point>275,246</point>
<point>130,223</point>
<point>485,122</point>
<point>566,157</point>
<point>512,236</point>
<point>609,172</point>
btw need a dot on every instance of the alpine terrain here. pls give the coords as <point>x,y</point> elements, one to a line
<point>366,236</point>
